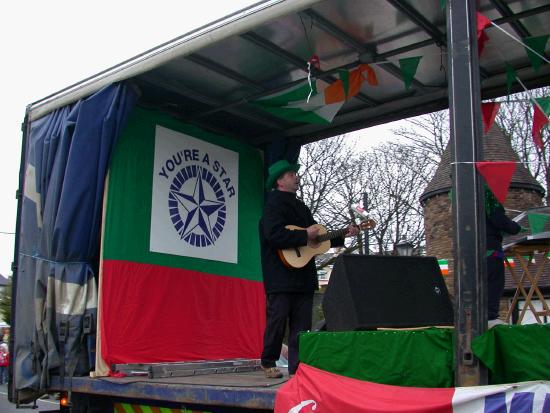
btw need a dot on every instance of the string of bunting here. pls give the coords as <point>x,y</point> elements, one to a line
<point>498,176</point>
<point>534,47</point>
<point>306,103</point>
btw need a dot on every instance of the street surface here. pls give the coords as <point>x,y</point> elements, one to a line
<point>43,405</point>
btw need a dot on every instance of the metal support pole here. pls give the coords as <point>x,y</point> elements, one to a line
<point>366,208</point>
<point>468,216</point>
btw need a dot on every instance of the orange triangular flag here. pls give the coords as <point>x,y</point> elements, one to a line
<point>489,112</point>
<point>349,84</point>
<point>371,75</point>
<point>498,176</point>
<point>355,81</point>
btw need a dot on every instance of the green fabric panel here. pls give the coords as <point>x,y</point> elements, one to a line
<point>128,212</point>
<point>537,222</point>
<point>515,353</point>
<point>419,358</point>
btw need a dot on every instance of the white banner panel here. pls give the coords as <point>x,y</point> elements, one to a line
<point>194,211</point>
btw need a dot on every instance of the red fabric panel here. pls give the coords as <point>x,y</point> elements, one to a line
<point>153,314</point>
<point>314,390</point>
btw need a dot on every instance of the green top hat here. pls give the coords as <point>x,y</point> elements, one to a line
<point>277,169</point>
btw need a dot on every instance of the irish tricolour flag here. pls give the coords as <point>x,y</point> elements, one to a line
<point>314,390</point>
<point>181,277</point>
<point>305,103</point>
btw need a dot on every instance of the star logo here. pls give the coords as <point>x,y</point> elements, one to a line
<point>197,206</point>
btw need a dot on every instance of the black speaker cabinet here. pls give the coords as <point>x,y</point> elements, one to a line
<point>371,291</point>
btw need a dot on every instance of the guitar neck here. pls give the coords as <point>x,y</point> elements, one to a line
<point>332,234</point>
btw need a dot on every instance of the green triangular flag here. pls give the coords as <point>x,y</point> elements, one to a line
<point>510,78</point>
<point>537,222</point>
<point>538,44</point>
<point>442,4</point>
<point>544,104</point>
<point>408,69</point>
<point>344,77</point>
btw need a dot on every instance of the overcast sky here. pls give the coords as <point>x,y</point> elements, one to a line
<point>47,46</point>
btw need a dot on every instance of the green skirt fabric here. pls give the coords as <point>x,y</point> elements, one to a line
<point>419,358</point>
<point>515,353</point>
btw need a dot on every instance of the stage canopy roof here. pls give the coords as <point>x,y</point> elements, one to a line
<point>210,77</point>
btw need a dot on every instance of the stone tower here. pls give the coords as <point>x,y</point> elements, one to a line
<point>525,192</point>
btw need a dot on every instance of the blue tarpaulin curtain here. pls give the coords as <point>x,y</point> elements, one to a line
<point>66,163</point>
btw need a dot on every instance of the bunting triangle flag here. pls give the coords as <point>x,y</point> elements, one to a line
<point>482,38</point>
<point>498,176</point>
<point>510,78</point>
<point>544,104</point>
<point>349,84</point>
<point>321,107</point>
<point>482,22</point>
<point>408,66</point>
<point>538,44</point>
<point>292,104</point>
<point>540,119</point>
<point>489,112</point>
<point>537,222</point>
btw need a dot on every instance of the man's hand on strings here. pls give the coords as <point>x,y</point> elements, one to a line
<point>352,230</point>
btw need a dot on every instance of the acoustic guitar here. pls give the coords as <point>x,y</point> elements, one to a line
<point>299,257</point>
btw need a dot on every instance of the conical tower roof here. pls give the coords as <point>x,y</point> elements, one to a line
<point>495,148</point>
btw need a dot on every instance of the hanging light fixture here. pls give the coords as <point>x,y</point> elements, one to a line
<point>404,248</point>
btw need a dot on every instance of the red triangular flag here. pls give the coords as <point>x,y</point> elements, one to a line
<point>498,176</point>
<point>482,38</point>
<point>482,23</point>
<point>539,120</point>
<point>489,112</point>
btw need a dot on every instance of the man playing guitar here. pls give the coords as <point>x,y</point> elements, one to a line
<point>289,291</point>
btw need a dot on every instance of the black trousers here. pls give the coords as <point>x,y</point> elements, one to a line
<point>495,285</point>
<point>280,307</point>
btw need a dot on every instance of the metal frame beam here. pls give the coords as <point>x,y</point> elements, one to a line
<point>366,53</point>
<point>297,61</point>
<point>503,9</point>
<point>224,71</point>
<point>468,216</point>
<point>192,94</point>
<point>424,24</point>
<point>419,20</point>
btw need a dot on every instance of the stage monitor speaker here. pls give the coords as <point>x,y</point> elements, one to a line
<point>371,291</point>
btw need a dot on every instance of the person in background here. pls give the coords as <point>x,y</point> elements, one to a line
<point>4,363</point>
<point>496,224</point>
<point>289,291</point>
